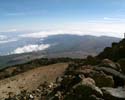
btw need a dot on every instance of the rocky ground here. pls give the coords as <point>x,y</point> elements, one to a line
<point>104,81</point>
<point>30,80</point>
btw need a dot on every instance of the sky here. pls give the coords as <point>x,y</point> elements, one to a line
<point>42,17</point>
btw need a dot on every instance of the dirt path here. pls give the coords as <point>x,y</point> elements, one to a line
<point>30,80</point>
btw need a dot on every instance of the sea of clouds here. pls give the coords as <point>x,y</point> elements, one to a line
<point>6,39</point>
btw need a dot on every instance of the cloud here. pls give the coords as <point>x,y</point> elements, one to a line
<point>96,28</point>
<point>114,19</point>
<point>109,26</point>
<point>108,18</point>
<point>2,37</point>
<point>8,30</point>
<point>30,48</point>
<point>43,34</point>
<point>8,41</point>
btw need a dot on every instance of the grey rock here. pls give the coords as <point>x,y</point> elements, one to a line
<point>86,88</point>
<point>114,93</point>
<point>110,64</point>
<point>111,72</point>
<point>103,80</point>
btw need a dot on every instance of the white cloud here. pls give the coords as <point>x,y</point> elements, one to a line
<point>2,37</point>
<point>110,26</point>
<point>114,19</point>
<point>8,30</point>
<point>8,41</point>
<point>90,28</point>
<point>30,48</point>
<point>43,34</point>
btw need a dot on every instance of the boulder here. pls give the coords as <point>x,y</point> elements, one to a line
<point>110,64</point>
<point>90,60</point>
<point>69,81</point>
<point>88,81</point>
<point>86,88</point>
<point>86,70</point>
<point>118,77</point>
<point>114,93</point>
<point>103,80</point>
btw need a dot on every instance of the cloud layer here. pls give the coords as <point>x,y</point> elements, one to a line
<point>43,34</point>
<point>8,41</point>
<point>30,48</point>
<point>108,26</point>
<point>4,39</point>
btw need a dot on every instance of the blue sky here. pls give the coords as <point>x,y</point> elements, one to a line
<point>94,17</point>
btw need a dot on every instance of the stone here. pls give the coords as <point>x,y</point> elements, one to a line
<point>51,85</point>
<point>103,80</point>
<point>114,93</point>
<point>31,96</point>
<point>86,88</point>
<point>88,81</point>
<point>86,71</point>
<point>59,79</point>
<point>110,64</point>
<point>70,81</point>
<point>118,77</point>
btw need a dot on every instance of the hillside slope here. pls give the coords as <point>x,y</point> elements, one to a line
<point>76,46</point>
<point>31,79</point>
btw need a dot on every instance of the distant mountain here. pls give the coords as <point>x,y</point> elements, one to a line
<point>77,46</point>
<point>73,46</point>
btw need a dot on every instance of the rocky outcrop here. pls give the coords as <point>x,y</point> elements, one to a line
<point>82,82</point>
<point>90,80</point>
<point>116,52</point>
